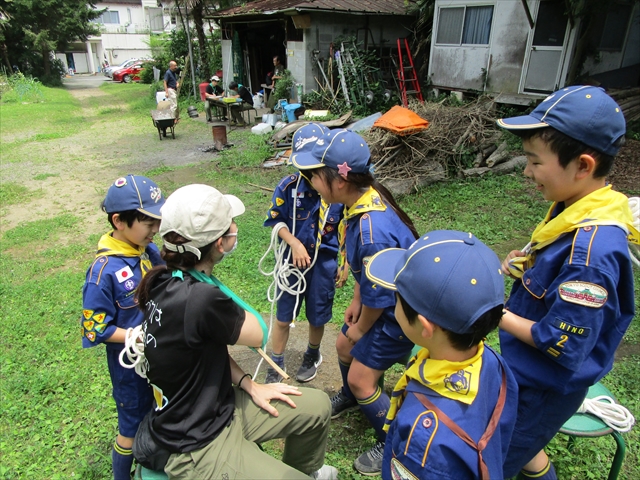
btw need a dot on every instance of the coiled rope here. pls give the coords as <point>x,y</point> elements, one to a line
<point>606,409</point>
<point>134,350</point>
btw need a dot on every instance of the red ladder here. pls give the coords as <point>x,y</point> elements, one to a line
<point>407,74</point>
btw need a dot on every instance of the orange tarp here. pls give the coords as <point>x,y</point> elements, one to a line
<point>401,121</point>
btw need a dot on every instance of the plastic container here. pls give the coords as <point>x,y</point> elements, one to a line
<point>261,128</point>
<point>160,96</point>
<point>290,111</point>
<point>203,90</point>
<point>364,123</point>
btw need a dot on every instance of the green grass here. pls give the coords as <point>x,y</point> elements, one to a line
<point>12,193</point>
<point>57,417</point>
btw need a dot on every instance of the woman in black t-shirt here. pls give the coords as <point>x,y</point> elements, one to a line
<point>210,426</point>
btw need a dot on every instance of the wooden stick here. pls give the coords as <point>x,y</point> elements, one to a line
<point>273,364</point>
<point>262,188</point>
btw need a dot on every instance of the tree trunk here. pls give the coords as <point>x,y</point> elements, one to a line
<point>197,10</point>
<point>5,57</point>
<point>47,61</point>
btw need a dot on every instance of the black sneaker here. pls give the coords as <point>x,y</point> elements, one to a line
<point>370,463</point>
<point>340,404</point>
<point>272,376</point>
<point>309,368</point>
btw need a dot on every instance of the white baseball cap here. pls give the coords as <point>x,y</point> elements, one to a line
<point>199,213</point>
<point>215,78</point>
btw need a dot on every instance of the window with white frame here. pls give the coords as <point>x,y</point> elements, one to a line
<point>464,25</point>
<point>108,17</point>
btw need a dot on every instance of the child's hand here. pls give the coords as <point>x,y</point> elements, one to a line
<point>505,263</point>
<point>352,313</point>
<point>301,258</point>
<point>342,276</point>
<point>353,334</point>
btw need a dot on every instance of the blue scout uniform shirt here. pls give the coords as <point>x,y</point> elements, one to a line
<point>580,294</point>
<point>366,235</point>
<point>108,296</point>
<point>420,446</point>
<point>307,203</point>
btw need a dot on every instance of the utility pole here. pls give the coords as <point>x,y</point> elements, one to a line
<point>193,72</point>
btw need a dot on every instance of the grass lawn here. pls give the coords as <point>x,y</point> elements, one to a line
<point>57,417</point>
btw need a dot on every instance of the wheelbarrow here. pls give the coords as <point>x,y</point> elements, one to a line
<point>164,120</point>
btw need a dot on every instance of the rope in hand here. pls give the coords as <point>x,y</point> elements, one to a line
<point>286,277</point>
<point>134,350</point>
<point>613,414</point>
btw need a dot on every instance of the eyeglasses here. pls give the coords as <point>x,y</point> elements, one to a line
<point>230,234</point>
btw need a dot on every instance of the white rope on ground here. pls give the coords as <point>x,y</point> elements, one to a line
<point>613,414</point>
<point>134,350</point>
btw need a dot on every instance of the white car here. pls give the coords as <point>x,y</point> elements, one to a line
<point>109,71</point>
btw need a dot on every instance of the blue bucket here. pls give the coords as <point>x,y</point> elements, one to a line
<point>290,111</point>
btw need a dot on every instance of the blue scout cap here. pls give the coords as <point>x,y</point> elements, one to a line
<point>449,277</point>
<point>306,137</point>
<point>582,112</point>
<point>340,149</point>
<point>134,192</point>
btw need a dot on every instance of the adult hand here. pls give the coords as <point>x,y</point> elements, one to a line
<point>505,263</point>
<point>263,394</point>
<point>352,313</point>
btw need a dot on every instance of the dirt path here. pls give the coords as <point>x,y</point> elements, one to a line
<point>111,148</point>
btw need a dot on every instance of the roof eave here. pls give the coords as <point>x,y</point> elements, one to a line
<point>295,10</point>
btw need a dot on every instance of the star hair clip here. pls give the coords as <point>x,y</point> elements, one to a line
<point>343,170</point>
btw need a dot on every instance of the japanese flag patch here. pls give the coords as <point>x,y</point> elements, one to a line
<point>124,274</point>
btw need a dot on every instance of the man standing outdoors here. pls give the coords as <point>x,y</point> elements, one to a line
<point>171,79</point>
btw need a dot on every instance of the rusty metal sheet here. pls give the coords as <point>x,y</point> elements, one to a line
<point>380,7</point>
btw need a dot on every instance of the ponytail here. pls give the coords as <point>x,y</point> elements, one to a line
<point>387,197</point>
<point>174,261</point>
<point>143,292</point>
<point>362,181</point>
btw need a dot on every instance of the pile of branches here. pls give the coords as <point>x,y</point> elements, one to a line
<point>457,137</point>
<point>629,101</point>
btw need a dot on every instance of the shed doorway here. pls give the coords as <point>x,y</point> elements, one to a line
<point>548,47</point>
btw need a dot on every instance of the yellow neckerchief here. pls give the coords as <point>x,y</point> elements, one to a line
<point>455,380</point>
<point>602,207</point>
<point>323,212</point>
<point>111,246</point>
<point>370,201</point>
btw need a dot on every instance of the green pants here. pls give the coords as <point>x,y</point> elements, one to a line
<point>235,455</point>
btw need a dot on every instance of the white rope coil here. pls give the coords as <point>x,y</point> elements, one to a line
<point>613,414</point>
<point>134,350</point>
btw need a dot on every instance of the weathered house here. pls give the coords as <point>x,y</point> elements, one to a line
<point>293,29</point>
<point>125,28</point>
<point>521,50</point>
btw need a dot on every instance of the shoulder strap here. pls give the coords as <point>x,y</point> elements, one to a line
<point>464,436</point>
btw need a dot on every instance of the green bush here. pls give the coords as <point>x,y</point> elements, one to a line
<point>22,89</point>
<point>146,75</point>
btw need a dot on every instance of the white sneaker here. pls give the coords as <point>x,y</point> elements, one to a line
<point>327,472</point>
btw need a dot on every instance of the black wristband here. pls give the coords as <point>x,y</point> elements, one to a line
<point>243,377</point>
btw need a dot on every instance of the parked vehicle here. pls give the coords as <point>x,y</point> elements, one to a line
<point>109,71</point>
<point>129,74</point>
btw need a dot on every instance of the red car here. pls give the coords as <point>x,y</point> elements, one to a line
<point>128,74</point>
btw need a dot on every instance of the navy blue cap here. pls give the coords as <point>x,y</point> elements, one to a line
<point>306,137</point>
<point>582,112</point>
<point>451,278</point>
<point>340,149</point>
<point>134,192</point>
